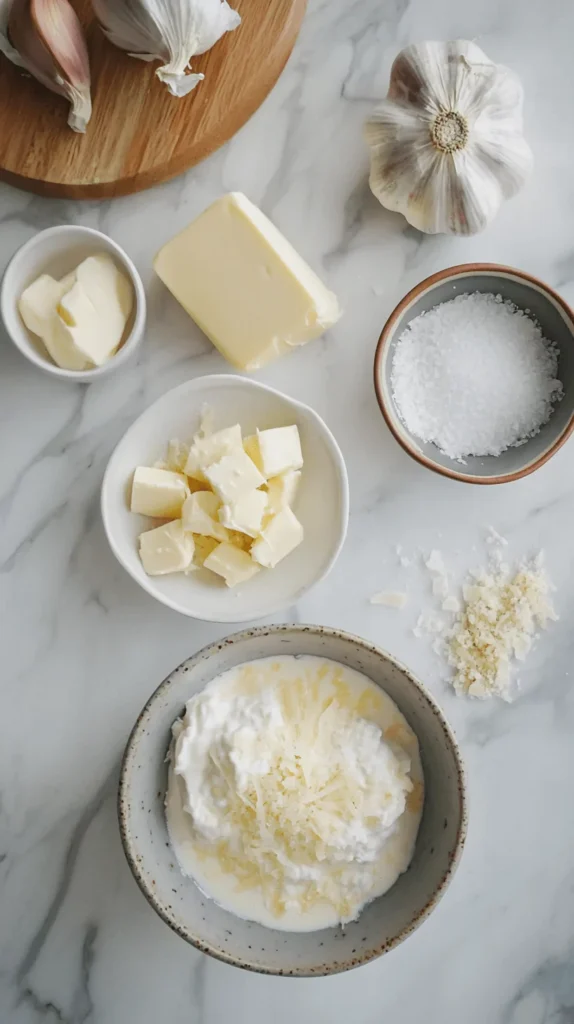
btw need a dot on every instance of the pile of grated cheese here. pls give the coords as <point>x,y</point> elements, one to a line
<point>293,791</point>
<point>501,615</point>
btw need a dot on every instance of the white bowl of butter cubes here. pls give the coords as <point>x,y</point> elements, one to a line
<point>73,303</point>
<point>226,500</point>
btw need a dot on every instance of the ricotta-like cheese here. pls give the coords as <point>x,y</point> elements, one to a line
<point>295,791</point>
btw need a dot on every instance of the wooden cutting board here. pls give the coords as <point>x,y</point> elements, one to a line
<point>140,134</point>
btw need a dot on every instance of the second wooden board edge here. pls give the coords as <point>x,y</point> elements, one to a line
<point>185,160</point>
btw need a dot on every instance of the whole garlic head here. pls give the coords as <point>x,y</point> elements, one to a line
<point>446,143</point>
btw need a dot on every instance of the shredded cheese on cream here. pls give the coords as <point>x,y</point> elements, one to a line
<point>293,790</point>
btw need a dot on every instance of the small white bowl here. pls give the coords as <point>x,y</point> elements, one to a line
<point>57,251</point>
<point>322,502</point>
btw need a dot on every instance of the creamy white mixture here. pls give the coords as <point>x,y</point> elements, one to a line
<point>295,792</point>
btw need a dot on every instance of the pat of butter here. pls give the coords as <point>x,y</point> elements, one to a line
<point>246,514</point>
<point>282,490</point>
<point>244,284</point>
<point>282,534</point>
<point>234,565</point>
<point>279,450</point>
<point>207,450</point>
<point>200,515</point>
<point>233,476</point>
<point>38,305</point>
<point>158,492</point>
<point>38,302</point>
<point>166,549</point>
<point>95,311</point>
<point>82,318</point>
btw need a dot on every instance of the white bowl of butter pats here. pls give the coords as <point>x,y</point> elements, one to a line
<point>196,559</point>
<point>311,810</point>
<point>73,303</point>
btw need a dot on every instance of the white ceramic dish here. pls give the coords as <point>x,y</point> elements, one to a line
<point>386,921</point>
<point>322,502</point>
<point>57,251</point>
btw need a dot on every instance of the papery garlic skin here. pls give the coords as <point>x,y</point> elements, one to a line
<point>170,30</point>
<point>46,39</point>
<point>447,144</point>
<point>6,47</point>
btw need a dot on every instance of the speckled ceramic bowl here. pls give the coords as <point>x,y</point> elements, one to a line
<point>557,322</point>
<point>383,923</point>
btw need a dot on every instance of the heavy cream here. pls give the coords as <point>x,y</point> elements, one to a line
<point>295,792</point>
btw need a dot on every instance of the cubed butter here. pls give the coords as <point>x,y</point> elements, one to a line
<point>166,549</point>
<point>282,534</point>
<point>200,515</point>
<point>208,449</point>
<point>158,492</point>
<point>282,490</point>
<point>234,565</point>
<point>279,450</point>
<point>177,455</point>
<point>244,284</point>
<point>233,476</point>
<point>246,514</point>
<point>240,540</point>
<point>251,448</point>
<point>203,548</point>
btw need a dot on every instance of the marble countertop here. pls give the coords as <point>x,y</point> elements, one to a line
<point>83,646</point>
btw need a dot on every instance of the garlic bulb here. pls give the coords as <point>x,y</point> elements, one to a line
<point>446,143</point>
<point>46,39</point>
<point>169,30</point>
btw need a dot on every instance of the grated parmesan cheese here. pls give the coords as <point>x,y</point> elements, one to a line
<point>435,562</point>
<point>429,623</point>
<point>498,622</point>
<point>390,598</point>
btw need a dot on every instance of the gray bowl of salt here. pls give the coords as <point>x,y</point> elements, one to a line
<point>478,376</point>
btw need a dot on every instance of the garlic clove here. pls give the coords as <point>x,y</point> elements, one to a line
<point>172,31</point>
<point>178,82</point>
<point>211,22</point>
<point>49,39</point>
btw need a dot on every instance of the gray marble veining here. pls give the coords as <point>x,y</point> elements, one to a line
<point>82,646</point>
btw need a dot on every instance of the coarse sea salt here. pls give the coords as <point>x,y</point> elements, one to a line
<point>475,376</point>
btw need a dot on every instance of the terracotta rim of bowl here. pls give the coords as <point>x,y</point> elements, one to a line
<point>141,877</point>
<point>443,275</point>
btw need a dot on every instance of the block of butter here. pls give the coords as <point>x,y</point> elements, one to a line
<point>244,284</point>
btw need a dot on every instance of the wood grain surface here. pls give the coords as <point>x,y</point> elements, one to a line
<point>140,134</point>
